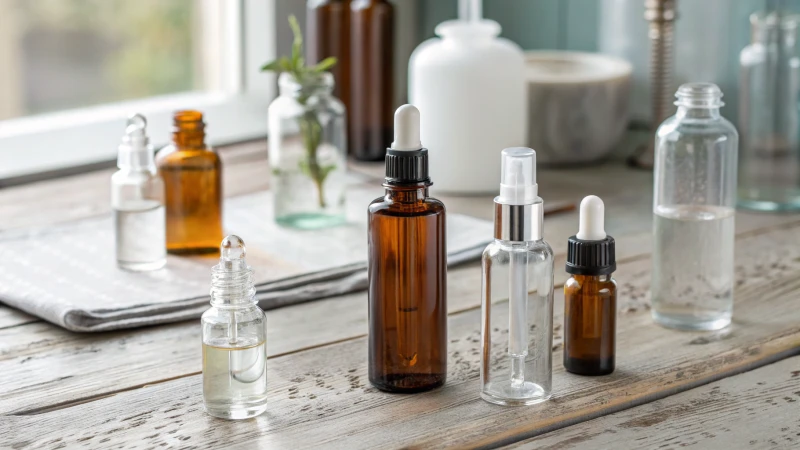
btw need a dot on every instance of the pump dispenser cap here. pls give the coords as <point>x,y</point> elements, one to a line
<point>518,177</point>
<point>591,251</point>
<point>406,159</point>
<point>135,151</point>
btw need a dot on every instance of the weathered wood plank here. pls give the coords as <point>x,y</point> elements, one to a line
<point>756,409</point>
<point>10,317</point>
<point>136,357</point>
<point>320,397</point>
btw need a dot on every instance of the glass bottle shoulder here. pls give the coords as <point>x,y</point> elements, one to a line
<point>676,129</point>
<point>387,206</point>
<point>500,250</point>
<point>246,313</point>
<point>127,177</point>
<point>604,284</point>
<point>171,156</point>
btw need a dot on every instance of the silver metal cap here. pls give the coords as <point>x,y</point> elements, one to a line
<point>518,223</point>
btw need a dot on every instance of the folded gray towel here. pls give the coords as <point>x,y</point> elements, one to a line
<point>68,275</point>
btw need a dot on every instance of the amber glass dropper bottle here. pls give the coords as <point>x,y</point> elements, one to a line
<point>407,270</point>
<point>328,34</point>
<point>192,175</point>
<point>371,78</point>
<point>590,296</point>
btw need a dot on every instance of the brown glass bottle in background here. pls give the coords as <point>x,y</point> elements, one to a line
<point>371,78</point>
<point>407,274</point>
<point>328,34</point>
<point>590,296</point>
<point>192,175</point>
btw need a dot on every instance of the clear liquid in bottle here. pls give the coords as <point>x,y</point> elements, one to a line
<point>141,236</point>
<point>235,378</point>
<point>692,285</point>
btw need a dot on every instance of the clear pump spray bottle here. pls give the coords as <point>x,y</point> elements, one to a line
<point>517,291</point>
<point>137,200</point>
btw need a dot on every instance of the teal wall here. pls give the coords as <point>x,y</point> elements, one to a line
<point>573,25</point>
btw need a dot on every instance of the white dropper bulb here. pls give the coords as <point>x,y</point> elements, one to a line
<point>592,216</point>
<point>406,129</point>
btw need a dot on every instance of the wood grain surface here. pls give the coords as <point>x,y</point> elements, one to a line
<point>140,388</point>
<point>756,409</point>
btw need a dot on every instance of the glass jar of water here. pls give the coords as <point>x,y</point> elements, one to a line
<point>693,213</point>
<point>307,153</point>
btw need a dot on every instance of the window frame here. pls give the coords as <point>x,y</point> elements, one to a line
<point>241,36</point>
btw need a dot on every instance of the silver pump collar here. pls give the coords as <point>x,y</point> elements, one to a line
<point>518,223</point>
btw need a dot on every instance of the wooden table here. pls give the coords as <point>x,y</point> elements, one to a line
<point>141,388</point>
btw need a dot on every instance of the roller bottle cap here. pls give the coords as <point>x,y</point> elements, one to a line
<point>591,251</point>
<point>406,159</point>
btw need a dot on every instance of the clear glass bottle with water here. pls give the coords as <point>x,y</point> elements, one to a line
<point>307,153</point>
<point>693,213</point>
<point>137,201</point>
<point>234,339</point>
<point>769,119</point>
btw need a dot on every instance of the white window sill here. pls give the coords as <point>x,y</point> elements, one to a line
<point>89,136</point>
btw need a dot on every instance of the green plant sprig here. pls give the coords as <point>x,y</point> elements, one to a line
<point>310,128</point>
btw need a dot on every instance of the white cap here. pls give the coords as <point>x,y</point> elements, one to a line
<point>135,151</point>
<point>406,129</point>
<point>518,177</point>
<point>592,216</point>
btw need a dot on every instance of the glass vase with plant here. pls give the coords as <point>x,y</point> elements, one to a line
<point>307,142</point>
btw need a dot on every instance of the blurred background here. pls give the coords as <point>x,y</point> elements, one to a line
<point>68,65</point>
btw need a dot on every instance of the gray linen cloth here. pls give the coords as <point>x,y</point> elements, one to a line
<point>68,275</point>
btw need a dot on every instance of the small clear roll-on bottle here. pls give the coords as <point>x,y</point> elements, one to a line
<point>517,291</point>
<point>234,339</point>
<point>137,202</point>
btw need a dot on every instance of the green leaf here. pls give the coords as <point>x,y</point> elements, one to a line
<point>297,44</point>
<point>325,64</point>
<point>274,66</point>
<point>285,64</point>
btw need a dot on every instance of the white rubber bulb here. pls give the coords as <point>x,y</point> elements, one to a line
<point>406,129</point>
<point>592,216</point>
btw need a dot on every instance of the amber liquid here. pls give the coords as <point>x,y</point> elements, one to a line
<point>193,187</point>
<point>372,78</point>
<point>407,291</point>
<point>328,30</point>
<point>590,312</point>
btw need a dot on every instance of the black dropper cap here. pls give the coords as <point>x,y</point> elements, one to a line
<point>592,256</point>
<point>406,160</point>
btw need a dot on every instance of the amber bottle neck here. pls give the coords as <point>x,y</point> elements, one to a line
<point>410,193</point>
<point>189,130</point>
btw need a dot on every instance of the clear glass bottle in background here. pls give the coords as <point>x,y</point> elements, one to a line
<point>693,213</point>
<point>307,153</point>
<point>137,200</point>
<point>517,291</point>
<point>769,120</point>
<point>234,338</point>
<point>192,174</point>
<point>372,78</point>
<point>328,34</point>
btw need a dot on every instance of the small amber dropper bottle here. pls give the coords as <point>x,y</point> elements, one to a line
<point>590,296</point>
<point>192,175</point>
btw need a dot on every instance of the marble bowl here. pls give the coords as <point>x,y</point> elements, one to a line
<point>578,105</point>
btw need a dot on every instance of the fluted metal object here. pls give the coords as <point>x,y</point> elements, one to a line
<point>661,14</point>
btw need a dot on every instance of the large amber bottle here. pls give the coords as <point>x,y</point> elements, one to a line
<point>192,175</point>
<point>407,271</point>
<point>372,78</point>
<point>328,34</point>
